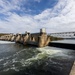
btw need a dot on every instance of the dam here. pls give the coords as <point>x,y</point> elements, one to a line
<point>40,39</point>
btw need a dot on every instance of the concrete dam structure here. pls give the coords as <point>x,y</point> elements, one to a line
<point>40,39</point>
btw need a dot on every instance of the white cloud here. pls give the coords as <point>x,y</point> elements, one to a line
<point>6,5</point>
<point>58,19</point>
<point>16,23</point>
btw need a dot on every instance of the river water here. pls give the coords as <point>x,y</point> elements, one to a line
<point>16,59</point>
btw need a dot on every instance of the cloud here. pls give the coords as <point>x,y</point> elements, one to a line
<point>16,23</point>
<point>6,5</point>
<point>59,18</point>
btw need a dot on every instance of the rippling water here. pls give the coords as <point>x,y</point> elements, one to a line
<point>16,59</point>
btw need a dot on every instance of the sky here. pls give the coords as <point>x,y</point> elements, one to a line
<point>18,16</point>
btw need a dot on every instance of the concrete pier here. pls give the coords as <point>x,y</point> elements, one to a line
<point>73,70</point>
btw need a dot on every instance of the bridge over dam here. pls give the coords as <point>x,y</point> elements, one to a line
<point>65,35</point>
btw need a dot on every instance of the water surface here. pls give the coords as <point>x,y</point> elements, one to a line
<point>16,59</point>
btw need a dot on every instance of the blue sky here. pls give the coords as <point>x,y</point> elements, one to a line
<point>18,16</point>
<point>34,7</point>
<point>30,7</point>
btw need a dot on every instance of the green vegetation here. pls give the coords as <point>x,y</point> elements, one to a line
<point>55,38</point>
<point>1,34</point>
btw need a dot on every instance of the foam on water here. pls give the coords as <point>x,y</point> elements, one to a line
<point>43,53</point>
<point>6,58</point>
<point>48,50</point>
<point>5,42</point>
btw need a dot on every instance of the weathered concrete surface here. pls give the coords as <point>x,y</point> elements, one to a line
<point>6,37</point>
<point>18,37</point>
<point>73,70</point>
<point>40,39</point>
<point>43,40</point>
<point>13,38</point>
